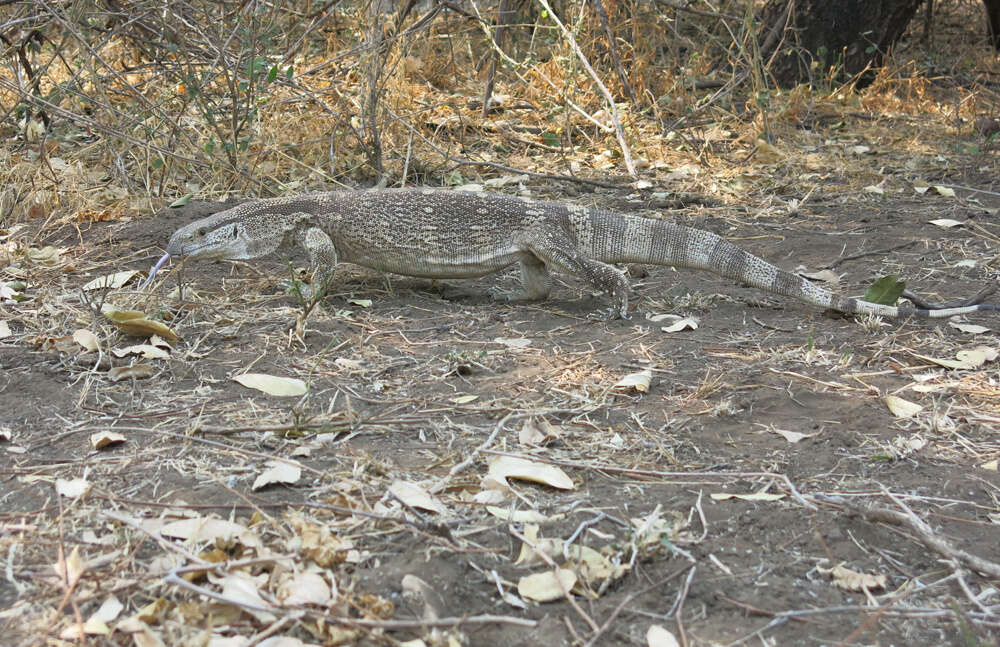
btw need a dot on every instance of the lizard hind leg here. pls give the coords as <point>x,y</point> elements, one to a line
<point>555,249</point>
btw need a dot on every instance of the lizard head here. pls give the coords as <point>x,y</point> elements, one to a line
<point>239,233</point>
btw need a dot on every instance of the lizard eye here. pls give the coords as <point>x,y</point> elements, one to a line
<point>203,231</point>
<point>236,231</point>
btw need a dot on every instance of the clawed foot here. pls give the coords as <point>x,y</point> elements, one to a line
<point>516,297</point>
<point>297,288</point>
<point>610,314</point>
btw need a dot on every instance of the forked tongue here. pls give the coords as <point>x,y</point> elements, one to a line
<point>152,272</point>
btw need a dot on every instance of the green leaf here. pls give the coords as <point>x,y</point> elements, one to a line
<point>210,145</point>
<point>181,201</point>
<point>551,139</point>
<point>158,162</point>
<point>289,73</point>
<point>885,291</point>
<point>273,74</point>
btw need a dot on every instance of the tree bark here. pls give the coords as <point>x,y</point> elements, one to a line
<point>817,35</point>
<point>993,21</point>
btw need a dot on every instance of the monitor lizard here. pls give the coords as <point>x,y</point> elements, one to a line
<point>458,234</point>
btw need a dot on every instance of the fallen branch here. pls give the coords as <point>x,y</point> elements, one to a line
<point>924,533</point>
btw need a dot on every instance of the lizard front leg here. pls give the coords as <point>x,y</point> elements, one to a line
<point>322,259</point>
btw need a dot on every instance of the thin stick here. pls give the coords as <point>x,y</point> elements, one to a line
<point>619,133</point>
<point>929,538</point>
<point>681,596</point>
<point>612,469</point>
<point>443,482</point>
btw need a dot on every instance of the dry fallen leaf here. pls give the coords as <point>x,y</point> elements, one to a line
<point>991,465</point>
<point>465,399</point>
<point>69,569</point>
<point>766,153</point>
<point>906,445</point>
<point>272,384</point>
<point>681,324</point>
<point>849,580</point>
<point>520,516</point>
<point>320,545</point>
<point>946,223</point>
<point>86,339</point>
<point>826,276</point>
<point>791,436</point>
<point>72,488</point>
<point>4,329</point>
<point>419,593</point>
<point>537,432</point>
<point>973,329</point>
<point>494,491</point>
<point>756,496</point>
<point>519,342</point>
<point>508,467</point>
<point>142,327</point>
<point>660,528</point>
<point>204,529</point>
<point>416,497</point>
<point>97,624</point>
<point>103,439</point>
<point>976,357</point>
<point>137,371</point>
<point>47,254</point>
<point>244,590</point>
<point>534,549</point>
<point>278,472</point>
<point>147,351</point>
<point>118,316</point>
<point>902,408</point>
<point>348,364</point>
<point>304,588</point>
<point>547,586</point>
<point>657,636</point>
<point>945,191</point>
<point>592,567</point>
<point>112,281</point>
<point>638,381</point>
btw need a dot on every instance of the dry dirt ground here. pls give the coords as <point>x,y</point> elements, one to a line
<point>431,382</point>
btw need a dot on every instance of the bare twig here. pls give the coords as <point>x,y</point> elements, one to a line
<point>457,469</point>
<point>568,35</point>
<point>930,538</point>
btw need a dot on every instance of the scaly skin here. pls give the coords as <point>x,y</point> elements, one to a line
<point>459,234</point>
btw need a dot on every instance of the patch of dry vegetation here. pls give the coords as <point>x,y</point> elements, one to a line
<point>453,474</point>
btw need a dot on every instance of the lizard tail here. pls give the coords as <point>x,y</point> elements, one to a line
<point>663,243</point>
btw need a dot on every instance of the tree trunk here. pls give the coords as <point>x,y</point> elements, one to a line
<point>993,21</point>
<point>803,39</point>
